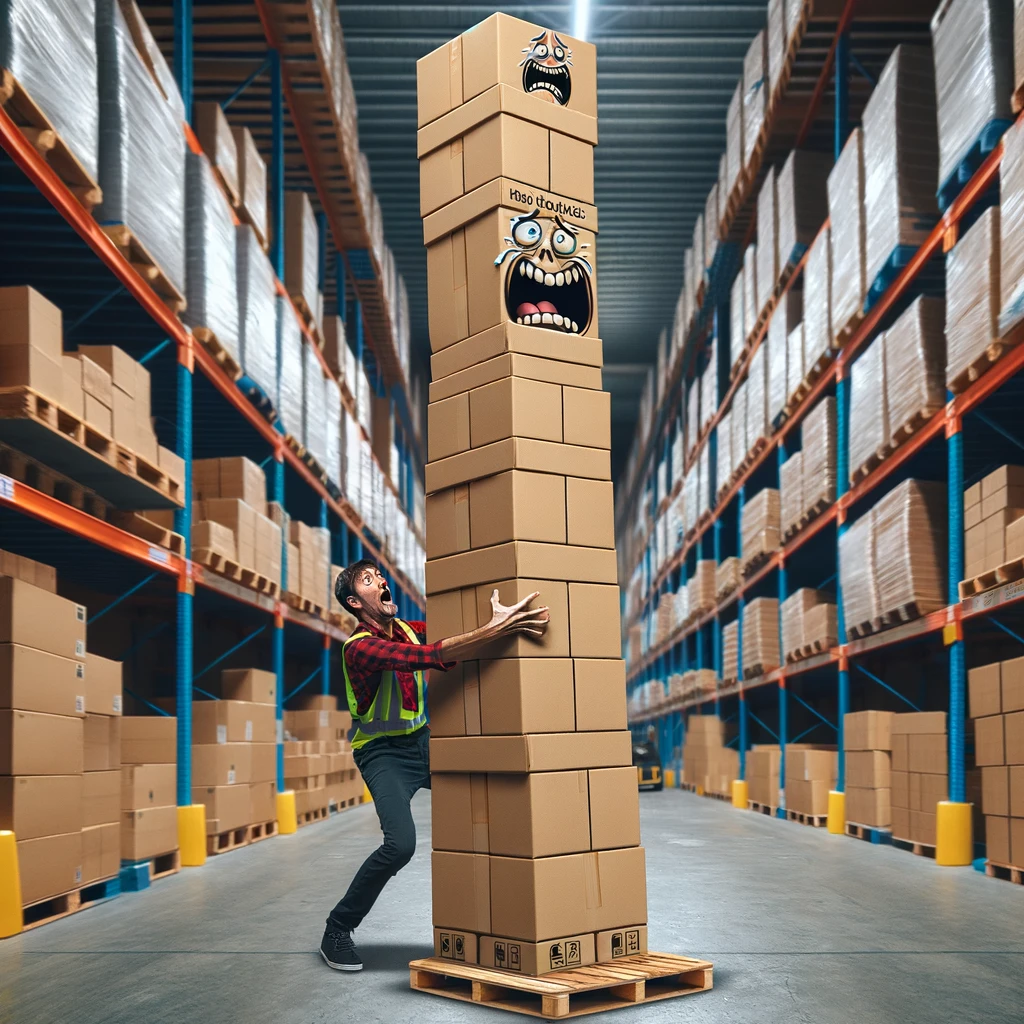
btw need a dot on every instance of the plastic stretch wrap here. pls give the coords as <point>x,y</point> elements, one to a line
<point>801,191</point>
<point>821,623</point>
<point>712,218</point>
<point>704,482</point>
<point>257,311</point>
<point>910,547</point>
<point>973,73</point>
<point>152,57</point>
<point>915,363</point>
<point>214,134</point>
<point>210,257</point>
<point>727,576</point>
<point>1018,43</point>
<point>777,340</point>
<point>900,153</point>
<point>314,416</point>
<point>252,182</point>
<point>691,497</point>
<point>757,396</point>
<point>688,290</point>
<point>761,636</point>
<point>846,218</point>
<point>739,425</point>
<point>794,15</point>
<point>723,450</point>
<point>755,94</point>
<point>702,598</point>
<point>677,456</point>
<point>737,322</point>
<point>791,494</point>
<point>972,294</point>
<point>776,43</point>
<point>734,158</point>
<point>794,616</point>
<point>819,456</point>
<point>290,380</point>
<point>1011,215</point>
<point>818,300</point>
<point>50,48</point>
<point>869,415</point>
<point>682,605</point>
<point>141,148</point>
<point>794,360</point>
<point>692,416</point>
<point>709,385</point>
<point>750,281</point>
<point>857,572</point>
<point>767,240</point>
<point>759,526</point>
<point>699,252</point>
<point>302,250</point>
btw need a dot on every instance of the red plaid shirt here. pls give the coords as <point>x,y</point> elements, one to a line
<point>369,656</point>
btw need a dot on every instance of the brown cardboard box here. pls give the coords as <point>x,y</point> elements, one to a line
<point>901,822</point>
<point>614,808</point>
<point>32,680</point>
<point>901,789</point>
<point>594,628</point>
<point>116,362</point>
<point>35,618</point>
<point>461,891</point>
<point>590,516</point>
<point>148,785</point>
<point>101,851</point>
<point>517,506</point>
<point>525,695</point>
<point>922,827</point>
<point>460,813</point>
<point>214,134</point>
<point>927,790</point>
<point>543,752</point>
<point>542,899</point>
<point>600,694</point>
<point>515,407</point>
<point>34,573</point>
<point>448,427</point>
<point>587,417</point>
<point>537,958</point>
<point>447,515</point>
<point>172,464</point>
<point>867,730</point>
<point>101,797</point>
<point>1014,733</point>
<point>928,753</point>
<point>810,764</point>
<point>36,744</point>
<point>900,753</point>
<point>1012,690</point>
<point>149,832</point>
<point>102,743</point>
<point>221,764</point>
<point>40,805</point>
<point>869,807</point>
<point>249,684</point>
<point>262,802</point>
<point>102,686</point>
<point>868,769</point>
<point>227,807</point>
<point>997,839</point>
<point>983,685</point>
<point>149,739</point>
<point>930,722</point>
<point>49,866</point>
<point>553,595</point>
<point>29,367</point>
<point>995,790</point>
<point>28,320</point>
<point>458,946</point>
<point>123,419</point>
<point>807,796</point>
<point>243,479</point>
<point>263,766</point>
<point>1016,790</point>
<point>99,416</point>
<point>455,700</point>
<point>989,747</point>
<point>538,815</point>
<point>621,942</point>
<point>233,721</point>
<point>96,382</point>
<point>517,366</point>
<point>1016,839</point>
<point>1000,479</point>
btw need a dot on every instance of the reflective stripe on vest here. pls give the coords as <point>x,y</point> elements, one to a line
<point>385,716</point>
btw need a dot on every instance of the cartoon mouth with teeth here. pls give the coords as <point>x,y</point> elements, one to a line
<point>547,283</point>
<point>546,68</point>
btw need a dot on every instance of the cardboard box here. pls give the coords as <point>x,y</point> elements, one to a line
<point>262,802</point>
<point>454,700</point>
<point>149,832</point>
<point>249,684</point>
<point>243,479</point>
<point>447,514</point>
<point>1014,737</point>
<point>123,419</point>
<point>102,686</point>
<point>263,762</point>
<point>808,796</point>
<point>32,617</point>
<point>32,680</point>
<point>600,688</point>
<point>29,367</point>
<point>619,942</point>
<point>101,851</point>
<point>148,785</point>
<point>594,626</point>
<point>516,506</point>
<point>544,752</point>
<point>32,806</point>
<point>868,806</point>
<point>460,814</point>
<point>1016,839</point>
<point>590,516</point>
<point>28,320</point>
<point>99,416</point>
<point>116,362</point>
<point>586,417</point>
<point>461,891</point>
<point>221,764</point>
<point>515,366</point>
<point>614,808</point>
<point>537,958</point>
<point>233,721</point>
<point>227,807</point>
<point>1012,689</point>
<point>997,839</point>
<point>989,745</point>
<point>928,753</point>
<point>538,815</point>
<point>900,753</point>
<point>37,574</point>
<point>900,793</point>
<point>1000,479</point>
<point>515,407</point>
<point>922,827</point>
<point>448,427</point>
<point>102,743</point>
<point>95,381</point>
<point>458,946</point>
<point>995,790</point>
<point>868,769</point>
<point>984,689</point>
<point>927,790</point>
<point>525,695</point>
<point>172,464</point>
<point>149,739</point>
<point>214,134</point>
<point>37,744</point>
<point>867,730</point>
<point>101,797</point>
<point>901,822</point>
<point>49,866</point>
<point>810,764</point>
<point>930,722</point>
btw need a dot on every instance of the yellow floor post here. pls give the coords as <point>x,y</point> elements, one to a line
<point>10,886</point>
<point>670,778</point>
<point>954,840</point>
<point>740,797</point>
<point>836,813</point>
<point>367,798</point>
<point>192,835</point>
<point>287,819</point>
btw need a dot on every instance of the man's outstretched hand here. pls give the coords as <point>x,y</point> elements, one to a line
<point>518,618</point>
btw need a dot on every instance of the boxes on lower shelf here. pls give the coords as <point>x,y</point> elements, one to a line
<point>707,762</point>
<point>919,774</point>
<point>810,775</point>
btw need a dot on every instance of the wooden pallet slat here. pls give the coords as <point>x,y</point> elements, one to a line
<point>224,359</point>
<point>145,265</point>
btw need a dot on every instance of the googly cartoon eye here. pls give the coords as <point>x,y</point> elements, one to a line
<point>559,53</point>
<point>563,242</point>
<point>527,233</point>
<point>541,51</point>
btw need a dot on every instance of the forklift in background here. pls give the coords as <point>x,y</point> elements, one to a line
<point>647,760</point>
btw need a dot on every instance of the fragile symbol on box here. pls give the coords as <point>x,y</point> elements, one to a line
<point>506,955</point>
<point>633,941</point>
<point>566,954</point>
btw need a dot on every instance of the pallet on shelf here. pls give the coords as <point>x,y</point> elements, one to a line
<point>986,140</point>
<point>905,431</point>
<point>308,318</point>
<point>221,356</point>
<point>643,978</point>
<point>303,604</point>
<point>257,581</point>
<point>757,562</point>
<point>869,833</point>
<point>145,266</point>
<point>1007,872</point>
<point>217,562</point>
<point>759,808</point>
<point>46,140</point>
<point>979,366</point>
<point>911,846</point>
<point>225,842</point>
<point>813,820</point>
<point>26,470</point>
<point>865,469</point>
<point>262,830</point>
<point>305,457</point>
<point>139,526</point>
<point>136,875</point>
<point>56,907</point>
<point>1008,572</point>
<point>904,613</point>
<point>844,333</point>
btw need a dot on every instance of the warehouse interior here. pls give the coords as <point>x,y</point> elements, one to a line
<point>263,314</point>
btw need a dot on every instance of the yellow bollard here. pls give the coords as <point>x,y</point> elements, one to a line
<point>287,819</point>
<point>10,886</point>
<point>670,778</point>
<point>192,835</point>
<point>739,794</point>
<point>367,798</point>
<point>837,813</point>
<point>954,840</point>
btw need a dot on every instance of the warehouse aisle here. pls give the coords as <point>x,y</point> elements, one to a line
<point>800,925</point>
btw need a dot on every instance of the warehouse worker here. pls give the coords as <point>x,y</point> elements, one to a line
<point>384,662</point>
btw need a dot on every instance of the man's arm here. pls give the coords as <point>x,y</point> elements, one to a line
<point>505,621</point>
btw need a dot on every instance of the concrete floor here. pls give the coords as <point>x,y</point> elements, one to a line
<point>801,926</point>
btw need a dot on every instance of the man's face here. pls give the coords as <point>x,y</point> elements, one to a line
<point>374,594</point>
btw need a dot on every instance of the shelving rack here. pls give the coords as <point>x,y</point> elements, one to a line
<point>921,664</point>
<point>53,244</point>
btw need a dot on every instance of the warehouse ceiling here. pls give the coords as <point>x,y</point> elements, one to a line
<point>666,72</point>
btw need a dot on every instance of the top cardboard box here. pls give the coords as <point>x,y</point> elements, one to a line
<point>556,72</point>
<point>36,618</point>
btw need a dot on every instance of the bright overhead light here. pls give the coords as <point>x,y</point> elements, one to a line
<point>581,22</point>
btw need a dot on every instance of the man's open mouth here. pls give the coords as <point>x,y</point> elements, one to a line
<point>540,298</point>
<point>385,595</point>
<point>541,78</point>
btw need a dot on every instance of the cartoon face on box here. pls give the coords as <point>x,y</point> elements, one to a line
<point>546,68</point>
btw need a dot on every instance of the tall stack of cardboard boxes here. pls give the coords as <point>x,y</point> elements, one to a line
<point>993,530</point>
<point>318,762</point>
<point>149,812</point>
<point>919,774</point>
<point>707,762</point>
<point>867,743</point>
<point>101,782</point>
<point>810,774</point>
<point>537,864</point>
<point>763,774</point>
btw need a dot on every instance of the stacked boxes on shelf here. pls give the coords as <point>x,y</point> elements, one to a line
<point>101,781</point>
<point>318,762</point>
<point>302,258</point>
<point>700,588</point>
<point>760,528</point>
<point>149,813</point>
<point>867,743</point>
<point>309,563</point>
<point>993,531</point>
<point>808,624</point>
<point>730,652</point>
<point>533,789</point>
<point>919,774</point>
<point>846,219</point>
<point>761,636</point>
<point>810,775</point>
<point>763,773</point>
<point>707,762</point>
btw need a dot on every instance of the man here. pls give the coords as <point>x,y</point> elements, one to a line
<point>384,662</point>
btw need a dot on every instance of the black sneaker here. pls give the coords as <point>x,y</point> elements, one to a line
<point>339,951</point>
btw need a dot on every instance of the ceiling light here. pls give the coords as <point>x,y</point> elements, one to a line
<point>581,18</point>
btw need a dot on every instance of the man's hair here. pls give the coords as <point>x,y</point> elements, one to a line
<point>344,585</point>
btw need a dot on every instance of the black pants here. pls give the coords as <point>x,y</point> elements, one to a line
<point>394,768</point>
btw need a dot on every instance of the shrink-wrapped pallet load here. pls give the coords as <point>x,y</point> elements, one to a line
<point>699,252</point>
<point>734,147</point>
<point>791,493</point>
<point>794,361</point>
<point>257,311</point>
<point>818,469</point>
<point>900,154</point>
<point>210,257</point>
<point>857,573</point>
<point>689,292</point>
<point>214,135</point>
<point>801,190</point>
<point>755,95</point>
<point>972,299</point>
<point>759,528</point>
<point>763,768</point>
<point>1011,217</point>
<point>737,320</point>
<point>709,386</point>
<point>761,636</point>
<point>810,775</point>
<point>846,219</point>
<point>739,424</point>
<point>691,497</point>
<point>793,613</point>
<point>702,597</point>
<point>692,417</point>
<point>869,414</point>
<point>332,427</point>
<point>730,651</point>
<point>302,255</point>
<point>750,308</point>
<point>712,218</point>
<point>915,366</point>
<point>818,336</point>
<point>704,482</point>
<point>758,425</point>
<point>252,185</point>
<point>291,346</point>
<point>723,451</point>
<point>777,341</point>
<point>768,267</point>
<point>775,43</point>
<point>727,576</point>
<point>973,75</point>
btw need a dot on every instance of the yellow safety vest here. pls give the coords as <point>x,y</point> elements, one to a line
<point>385,716</point>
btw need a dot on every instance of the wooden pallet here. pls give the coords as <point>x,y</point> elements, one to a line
<point>313,815</point>
<point>136,875</point>
<point>145,266</point>
<point>225,842</point>
<point>813,820</point>
<point>867,467</point>
<point>303,604</point>
<point>982,363</point>
<point>147,530</point>
<point>1007,872</point>
<point>221,356</point>
<point>1008,572</point>
<point>46,140</point>
<point>256,581</point>
<point>906,430</point>
<point>846,332</point>
<point>164,865</point>
<point>754,671</point>
<point>217,562</point>
<point>753,805</point>
<point>643,978</point>
<point>918,849</point>
<point>261,831</point>
<point>26,470</point>
<point>53,909</point>
<point>869,833</point>
<point>752,566</point>
<point>904,613</point>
